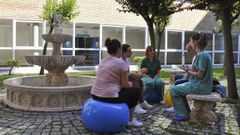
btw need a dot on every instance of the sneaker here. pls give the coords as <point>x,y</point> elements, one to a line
<point>135,123</point>
<point>171,109</point>
<point>139,110</point>
<point>161,102</point>
<point>146,105</point>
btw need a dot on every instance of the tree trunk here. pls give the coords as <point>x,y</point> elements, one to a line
<point>151,33</point>
<point>45,49</point>
<point>159,44</point>
<point>228,58</point>
<point>10,70</point>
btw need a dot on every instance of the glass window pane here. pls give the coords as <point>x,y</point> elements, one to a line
<point>5,33</point>
<point>235,42</point>
<point>162,47</point>
<point>92,57</point>
<point>104,54</point>
<point>174,40</point>
<point>219,42</point>
<point>135,37</point>
<point>87,35</point>
<point>188,35</point>
<point>174,58</point>
<point>210,37</point>
<point>28,34</point>
<point>235,58</point>
<point>4,56</point>
<point>188,58</point>
<point>111,32</point>
<point>219,58</point>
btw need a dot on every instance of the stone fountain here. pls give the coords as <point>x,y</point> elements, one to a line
<point>55,91</point>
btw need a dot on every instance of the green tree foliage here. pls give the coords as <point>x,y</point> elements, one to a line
<point>227,11</point>
<point>154,12</point>
<point>12,63</point>
<point>67,8</point>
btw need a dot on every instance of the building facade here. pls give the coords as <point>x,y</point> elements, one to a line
<point>21,28</point>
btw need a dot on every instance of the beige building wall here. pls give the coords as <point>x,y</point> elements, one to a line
<point>105,12</point>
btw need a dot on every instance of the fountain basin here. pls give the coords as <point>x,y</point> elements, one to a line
<point>31,93</point>
<point>57,38</point>
<point>54,62</point>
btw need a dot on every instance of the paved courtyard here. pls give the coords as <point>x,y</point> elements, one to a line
<point>156,122</point>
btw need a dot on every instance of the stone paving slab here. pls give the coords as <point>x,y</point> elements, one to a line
<point>156,122</point>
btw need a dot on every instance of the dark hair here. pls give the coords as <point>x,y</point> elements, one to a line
<point>112,45</point>
<point>202,40</point>
<point>125,47</point>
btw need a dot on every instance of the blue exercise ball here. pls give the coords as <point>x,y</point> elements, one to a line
<point>105,117</point>
<point>153,97</point>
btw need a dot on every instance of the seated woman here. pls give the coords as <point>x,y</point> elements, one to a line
<point>135,79</point>
<point>200,78</point>
<point>111,84</point>
<point>151,79</point>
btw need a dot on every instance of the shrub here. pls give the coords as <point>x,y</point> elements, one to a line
<point>12,64</point>
<point>138,59</point>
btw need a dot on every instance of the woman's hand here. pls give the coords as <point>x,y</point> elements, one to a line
<point>198,74</point>
<point>130,84</point>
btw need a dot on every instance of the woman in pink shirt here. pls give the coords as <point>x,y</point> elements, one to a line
<point>111,84</point>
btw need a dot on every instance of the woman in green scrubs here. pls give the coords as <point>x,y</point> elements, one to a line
<point>200,81</point>
<point>151,79</point>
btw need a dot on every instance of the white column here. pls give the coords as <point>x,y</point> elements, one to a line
<point>100,42</point>
<point>124,35</point>
<point>183,45</point>
<point>146,37</point>
<point>35,35</point>
<point>238,49</point>
<point>14,39</point>
<point>166,42</point>
<point>213,48</point>
<point>73,38</point>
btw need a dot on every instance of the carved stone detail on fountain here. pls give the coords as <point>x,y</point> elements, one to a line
<point>21,95</point>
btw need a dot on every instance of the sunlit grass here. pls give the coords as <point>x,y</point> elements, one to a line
<point>217,73</point>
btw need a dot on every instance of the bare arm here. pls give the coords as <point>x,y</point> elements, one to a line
<point>198,74</point>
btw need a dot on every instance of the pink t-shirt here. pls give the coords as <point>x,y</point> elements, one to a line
<point>108,78</point>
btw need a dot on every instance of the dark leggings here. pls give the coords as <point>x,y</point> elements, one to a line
<point>130,96</point>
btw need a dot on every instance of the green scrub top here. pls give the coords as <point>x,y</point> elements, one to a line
<point>202,62</point>
<point>152,66</point>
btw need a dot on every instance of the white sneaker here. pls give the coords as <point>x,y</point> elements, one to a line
<point>135,123</point>
<point>139,110</point>
<point>171,109</point>
<point>146,105</point>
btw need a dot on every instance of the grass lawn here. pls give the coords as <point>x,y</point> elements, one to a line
<point>217,73</point>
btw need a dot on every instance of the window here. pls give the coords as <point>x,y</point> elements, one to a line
<point>135,37</point>
<point>28,34</point>
<point>174,40</point>
<point>174,57</point>
<point>111,32</point>
<point>5,33</point>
